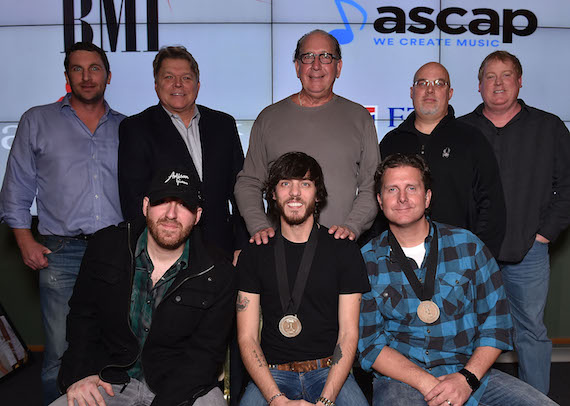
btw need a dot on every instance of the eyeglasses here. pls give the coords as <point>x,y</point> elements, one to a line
<point>424,83</point>
<point>325,58</point>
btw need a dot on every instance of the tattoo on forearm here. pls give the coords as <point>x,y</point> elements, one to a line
<point>241,303</point>
<point>260,358</point>
<point>337,355</point>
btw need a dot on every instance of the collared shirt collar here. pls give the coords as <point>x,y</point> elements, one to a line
<point>427,240</point>
<point>175,116</point>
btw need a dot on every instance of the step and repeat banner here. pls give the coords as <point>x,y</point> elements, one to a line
<point>245,48</point>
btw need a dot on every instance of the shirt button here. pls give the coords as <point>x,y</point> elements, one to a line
<point>456,281</point>
<point>385,294</point>
<point>146,329</point>
<point>210,279</point>
<point>421,280</point>
<point>97,217</point>
<point>148,302</point>
<point>429,331</point>
<point>427,352</point>
<point>96,196</point>
<point>177,299</point>
<point>205,303</point>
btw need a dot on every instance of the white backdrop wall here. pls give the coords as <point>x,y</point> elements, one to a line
<point>244,49</point>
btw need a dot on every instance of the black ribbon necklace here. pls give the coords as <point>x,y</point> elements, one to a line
<point>290,325</point>
<point>425,291</point>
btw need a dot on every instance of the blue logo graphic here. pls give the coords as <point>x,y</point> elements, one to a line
<point>345,35</point>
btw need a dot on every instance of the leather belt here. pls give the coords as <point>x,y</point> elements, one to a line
<point>303,366</point>
<point>84,237</point>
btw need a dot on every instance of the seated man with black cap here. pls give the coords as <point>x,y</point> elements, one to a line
<point>152,308</point>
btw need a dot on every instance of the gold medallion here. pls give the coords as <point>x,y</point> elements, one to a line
<point>428,312</point>
<point>290,326</point>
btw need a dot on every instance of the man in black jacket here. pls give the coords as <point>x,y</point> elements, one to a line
<point>178,132</point>
<point>152,308</point>
<point>466,183</point>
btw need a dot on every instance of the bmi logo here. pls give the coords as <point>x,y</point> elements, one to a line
<point>111,21</point>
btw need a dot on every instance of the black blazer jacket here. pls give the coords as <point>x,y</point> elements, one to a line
<point>149,141</point>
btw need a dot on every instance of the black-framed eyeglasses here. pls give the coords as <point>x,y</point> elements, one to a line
<point>325,58</point>
<point>424,83</point>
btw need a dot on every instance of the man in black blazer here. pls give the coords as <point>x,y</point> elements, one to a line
<point>177,132</point>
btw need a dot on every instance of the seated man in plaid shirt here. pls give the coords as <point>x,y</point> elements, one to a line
<point>437,316</point>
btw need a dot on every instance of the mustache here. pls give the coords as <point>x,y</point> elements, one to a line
<point>169,222</point>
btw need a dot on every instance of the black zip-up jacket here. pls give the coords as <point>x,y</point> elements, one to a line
<point>466,186</point>
<point>186,344</point>
<point>533,151</point>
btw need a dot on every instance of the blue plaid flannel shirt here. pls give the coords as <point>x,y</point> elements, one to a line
<point>468,291</point>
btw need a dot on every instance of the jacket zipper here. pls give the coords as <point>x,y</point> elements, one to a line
<point>131,271</point>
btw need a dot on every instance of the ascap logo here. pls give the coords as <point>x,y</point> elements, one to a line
<point>108,18</point>
<point>393,20</point>
<point>478,26</point>
<point>180,178</point>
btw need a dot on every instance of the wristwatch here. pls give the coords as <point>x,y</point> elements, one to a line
<point>472,380</point>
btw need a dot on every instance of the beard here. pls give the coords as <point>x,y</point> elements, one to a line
<point>295,220</point>
<point>429,111</point>
<point>168,239</point>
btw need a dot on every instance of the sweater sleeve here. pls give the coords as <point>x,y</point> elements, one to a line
<point>250,182</point>
<point>365,207</point>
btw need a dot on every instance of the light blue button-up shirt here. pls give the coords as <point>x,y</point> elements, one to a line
<point>71,171</point>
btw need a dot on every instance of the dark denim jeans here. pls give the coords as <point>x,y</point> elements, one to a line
<point>526,284</point>
<point>56,287</point>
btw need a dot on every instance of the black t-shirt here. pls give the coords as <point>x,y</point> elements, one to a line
<point>337,268</point>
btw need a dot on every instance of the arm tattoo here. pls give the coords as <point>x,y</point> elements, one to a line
<point>337,355</point>
<point>261,362</point>
<point>241,303</point>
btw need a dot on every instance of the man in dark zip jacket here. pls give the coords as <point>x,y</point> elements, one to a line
<point>152,308</point>
<point>466,183</point>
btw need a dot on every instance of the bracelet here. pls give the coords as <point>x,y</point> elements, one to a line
<point>274,397</point>
<point>326,401</point>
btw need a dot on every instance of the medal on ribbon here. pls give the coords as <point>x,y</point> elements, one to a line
<point>427,311</point>
<point>290,325</point>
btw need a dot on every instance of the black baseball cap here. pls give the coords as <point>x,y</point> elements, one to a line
<point>181,183</point>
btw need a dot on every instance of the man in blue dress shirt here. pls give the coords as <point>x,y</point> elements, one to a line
<point>65,156</point>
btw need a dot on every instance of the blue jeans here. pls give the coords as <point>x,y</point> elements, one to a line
<point>526,284</point>
<point>56,287</point>
<point>137,393</point>
<point>307,386</point>
<point>502,389</point>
